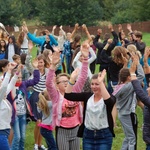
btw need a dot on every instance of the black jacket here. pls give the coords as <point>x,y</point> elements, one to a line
<point>84,97</point>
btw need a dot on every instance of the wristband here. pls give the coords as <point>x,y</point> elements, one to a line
<point>71,83</point>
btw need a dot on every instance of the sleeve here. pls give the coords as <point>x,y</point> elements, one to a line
<point>53,41</point>
<point>50,85</point>
<point>28,63</point>
<point>76,96</point>
<point>11,84</point>
<point>4,85</point>
<point>82,78</point>
<point>93,56</point>
<point>75,60</point>
<point>34,39</point>
<point>95,41</point>
<point>35,80</point>
<point>105,57</point>
<point>140,73</point>
<point>141,93</point>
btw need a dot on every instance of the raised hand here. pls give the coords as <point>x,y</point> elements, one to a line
<point>109,41</point>
<point>54,27</point>
<point>25,28</point>
<point>11,66</point>
<point>55,59</point>
<point>120,28</point>
<point>19,68</point>
<point>99,31</point>
<point>110,26</point>
<point>47,32</point>
<point>135,62</point>
<point>85,49</point>
<point>77,26</point>
<point>129,27</point>
<point>74,75</point>
<point>60,27</point>
<point>101,76</point>
<point>84,27</point>
<point>56,48</point>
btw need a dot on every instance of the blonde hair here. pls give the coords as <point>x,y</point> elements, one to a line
<point>132,49</point>
<point>42,103</point>
<point>62,75</point>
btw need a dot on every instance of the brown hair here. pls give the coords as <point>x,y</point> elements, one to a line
<point>75,42</point>
<point>41,56</point>
<point>45,54</point>
<point>138,34</point>
<point>20,38</point>
<point>15,56</point>
<point>123,75</point>
<point>3,63</point>
<point>117,54</point>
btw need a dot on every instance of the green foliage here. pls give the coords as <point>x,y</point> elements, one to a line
<point>68,12</point>
<point>9,12</point>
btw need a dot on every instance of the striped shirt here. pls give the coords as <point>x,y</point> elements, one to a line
<point>41,85</point>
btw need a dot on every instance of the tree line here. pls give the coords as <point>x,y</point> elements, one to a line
<point>68,12</point>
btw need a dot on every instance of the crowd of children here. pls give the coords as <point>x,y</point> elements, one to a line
<point>77,104</point>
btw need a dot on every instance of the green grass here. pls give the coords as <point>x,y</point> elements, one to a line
<point>117,142</point>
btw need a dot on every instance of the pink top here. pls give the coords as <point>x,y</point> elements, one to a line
<point>70,114</point>
<point>58,98</point>
<point>49,127</point>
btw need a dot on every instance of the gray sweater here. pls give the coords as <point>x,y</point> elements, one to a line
<point>47,120</point>
<point>124,94</point>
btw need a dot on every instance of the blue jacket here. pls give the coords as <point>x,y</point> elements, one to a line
<point>146,100</point>
<point>41,41</point>
<point>23,87</point>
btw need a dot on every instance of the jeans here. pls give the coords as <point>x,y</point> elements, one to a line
<point>19,129</point>
<point>148,147</point>
<point>4,142</point>
<point>68,64</point>
<point>49,138</point>
<point>97,139</point>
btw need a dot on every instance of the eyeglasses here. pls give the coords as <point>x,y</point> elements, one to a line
<point>64,81</point>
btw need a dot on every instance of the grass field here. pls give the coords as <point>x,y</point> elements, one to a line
<point>117,142</point>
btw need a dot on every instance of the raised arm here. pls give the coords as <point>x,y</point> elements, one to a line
<point>50,83</point>
<point>29,57</point>
<point>4,84</point>
<point>136,67</point>
<point>84,27</point>
<point>145,60</point>
<point>76,27</point>
<point>142,95</point>
<point>104,92</point>
<point>74,85</point>
<point>93,55</point>
<point>32,36</point>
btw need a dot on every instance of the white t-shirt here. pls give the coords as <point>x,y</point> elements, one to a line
<point>96,114</point>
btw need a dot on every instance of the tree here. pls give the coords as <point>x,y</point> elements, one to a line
<point>9,12</point>
<point>68,12</point>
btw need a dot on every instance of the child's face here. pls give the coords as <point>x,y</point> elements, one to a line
<point>18,61</point>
